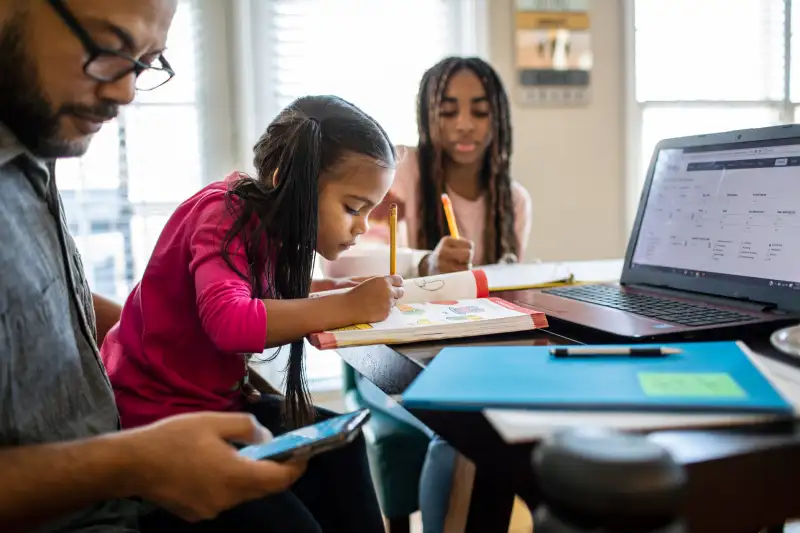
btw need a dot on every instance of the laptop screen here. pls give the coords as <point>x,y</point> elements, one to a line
<point>726,211</point>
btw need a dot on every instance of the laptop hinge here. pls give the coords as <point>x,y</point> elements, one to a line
<point>741,303</point>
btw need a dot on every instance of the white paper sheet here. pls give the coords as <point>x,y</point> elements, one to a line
<point>515,425</point>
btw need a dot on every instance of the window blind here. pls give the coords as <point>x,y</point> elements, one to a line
<point>138,168</point>
<point>711,50</point>
<point>709,66</point>
<point>370,52</point>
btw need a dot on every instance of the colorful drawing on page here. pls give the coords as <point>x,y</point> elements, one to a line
<point>354,327</point>
<point>425,322</point>
<point>445,302</point>
<point>409,309</point>
<point>464,318</point>
<point>467,309</point>
<point>430,285</point>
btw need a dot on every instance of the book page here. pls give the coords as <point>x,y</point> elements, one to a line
<point>442,319</point>
<point>519,276</point>
<point>518,425</point>
<point>455,286</point>
<point>527,276</point>
<point>439,313</point>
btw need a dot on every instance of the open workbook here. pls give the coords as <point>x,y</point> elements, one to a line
<point>437,307</point>
<point>520,276</point>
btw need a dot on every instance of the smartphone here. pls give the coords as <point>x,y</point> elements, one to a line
<point>311,440</point>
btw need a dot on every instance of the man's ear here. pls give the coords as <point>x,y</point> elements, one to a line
<point>275,178</point>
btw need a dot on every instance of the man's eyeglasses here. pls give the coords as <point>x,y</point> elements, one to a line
<point>108,66</point>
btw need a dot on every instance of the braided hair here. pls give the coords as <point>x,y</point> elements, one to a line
<point>499,238</point>
<point>277,222</point>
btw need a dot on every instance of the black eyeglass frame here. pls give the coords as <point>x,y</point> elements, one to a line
<point>96,51</point>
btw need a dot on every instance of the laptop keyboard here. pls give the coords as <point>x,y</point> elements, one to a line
<point>649,306</point>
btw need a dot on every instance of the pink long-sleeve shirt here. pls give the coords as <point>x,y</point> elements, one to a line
<point>186,328</point>
<point>470,214</point>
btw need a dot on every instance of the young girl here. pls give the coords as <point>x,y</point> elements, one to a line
<point>230,276</point>
<point>464,150</point>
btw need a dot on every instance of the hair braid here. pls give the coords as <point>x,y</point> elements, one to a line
<point>499,238</point>
<point>277,222</point>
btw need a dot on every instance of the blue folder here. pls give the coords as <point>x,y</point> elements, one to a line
<point>706,377</point>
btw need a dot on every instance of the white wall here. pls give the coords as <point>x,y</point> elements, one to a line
<point>572,160</point>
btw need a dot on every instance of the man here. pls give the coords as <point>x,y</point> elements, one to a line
<point>66,66</point>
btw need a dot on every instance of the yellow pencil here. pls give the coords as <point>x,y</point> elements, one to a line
<point>393,239</point>
<point>450,215</point>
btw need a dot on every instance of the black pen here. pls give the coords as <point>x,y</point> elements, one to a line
<point>588,351</point>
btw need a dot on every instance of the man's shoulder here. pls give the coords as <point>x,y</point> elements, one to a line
<point>23,212</point>
<point>24,216</point>
<point>16,187</point>
<point>32,281</point>
<point>9,147</point>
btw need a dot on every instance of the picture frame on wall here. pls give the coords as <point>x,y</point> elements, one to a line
<point>553,52</point>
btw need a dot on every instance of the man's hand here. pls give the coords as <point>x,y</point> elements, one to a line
<point>186,465</point>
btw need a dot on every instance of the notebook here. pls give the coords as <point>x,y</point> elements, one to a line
<point>520,276</point>
<point>526,425</point>
<point>706,377</point>
<point>446,306</point>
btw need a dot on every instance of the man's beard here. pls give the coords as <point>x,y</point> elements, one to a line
<point>23,107</point>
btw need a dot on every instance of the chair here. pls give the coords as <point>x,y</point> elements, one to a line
<point>602,480</point>
<point>396,452</point>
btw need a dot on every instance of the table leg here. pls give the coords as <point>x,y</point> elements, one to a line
<point>478,502</point>
<point>460,495</point>
<point>491,504</point>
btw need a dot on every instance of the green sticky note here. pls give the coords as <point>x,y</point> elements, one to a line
<point>708,385</point>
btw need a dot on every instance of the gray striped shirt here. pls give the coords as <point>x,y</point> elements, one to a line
<point>52,383</point>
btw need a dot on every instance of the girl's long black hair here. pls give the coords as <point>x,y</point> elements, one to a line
<point>277,223</point>
<point>499,238</point>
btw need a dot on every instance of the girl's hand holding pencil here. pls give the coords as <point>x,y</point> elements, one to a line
<point>372,301</point>
<point>450,255</point>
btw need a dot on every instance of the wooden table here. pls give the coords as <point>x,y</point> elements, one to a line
<point>739,480</point>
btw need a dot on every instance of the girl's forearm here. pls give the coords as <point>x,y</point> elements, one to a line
<point>292,320</point>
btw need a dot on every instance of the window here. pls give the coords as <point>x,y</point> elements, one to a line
<point>370,52</point>
<point>714,65</point>
<point>118,196</point>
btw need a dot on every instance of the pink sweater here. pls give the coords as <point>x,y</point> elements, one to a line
<point>470,214</point>
<point>181,342</point>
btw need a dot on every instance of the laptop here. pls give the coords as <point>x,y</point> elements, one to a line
<point>715,244</point>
